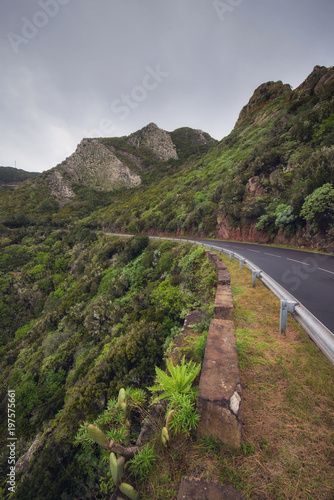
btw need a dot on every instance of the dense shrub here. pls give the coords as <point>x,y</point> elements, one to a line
<point>92,315</point>
<point>319,207</point>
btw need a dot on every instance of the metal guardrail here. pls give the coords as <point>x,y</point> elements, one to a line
<point>318,332</point>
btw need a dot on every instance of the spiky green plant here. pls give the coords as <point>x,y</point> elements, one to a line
<point>114,468</point>
<point>141,464</point>
<point>182,417</point>
<point>121,395</point>
<point>179,381</point>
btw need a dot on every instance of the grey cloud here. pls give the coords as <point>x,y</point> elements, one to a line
<point>63,81</point>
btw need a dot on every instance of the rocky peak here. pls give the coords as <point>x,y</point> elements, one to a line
<point>262,95</point>
<point>92,165</point>
<point>156,140</point>
<point>193,136</point>
<point>319,77</point>
<point>201,137</point>
<point>326,79</point>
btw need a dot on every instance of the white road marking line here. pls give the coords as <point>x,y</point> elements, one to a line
<point>326,270</point>
<point>256,251</point>
<point>272,255</point>
<point>299,262</point>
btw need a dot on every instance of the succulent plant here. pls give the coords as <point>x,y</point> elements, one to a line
<point>114,468</point>
<point>124,451</point>
<point>164,436</point>
<point>121,395</point>
<point>97,435</point>
<point>129,491</point>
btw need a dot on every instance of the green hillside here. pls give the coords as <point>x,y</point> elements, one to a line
<point>279,153</point>
<point>270,180</point>
<point>10,175</point>
<point>83,314</point>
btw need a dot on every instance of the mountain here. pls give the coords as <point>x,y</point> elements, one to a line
<point>83,314</point>
<point>92,165</point>
<point>257,183</point>
<point>270,180</point>
<point>156,140</point>
<point>14,176</point>
<point>89,178</point>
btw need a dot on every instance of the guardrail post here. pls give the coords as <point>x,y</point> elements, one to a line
<point>241,261</point>
<point>255,274</point>
<point>231,255</point>
<point>286,306</point>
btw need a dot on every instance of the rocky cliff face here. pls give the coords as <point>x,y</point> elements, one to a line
<point>156,140</point>
<point>262,95</point>
<point>60,187</point>
<point>319,78</point>
<point>101,163</point>
<point>250,233</point>
<point>92,165</point>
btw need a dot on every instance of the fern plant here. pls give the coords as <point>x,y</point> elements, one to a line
<point>179,381</point>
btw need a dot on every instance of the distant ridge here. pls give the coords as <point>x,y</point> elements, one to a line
<point>111,163</point>
<point>256,184</point>
<point>11,175</point>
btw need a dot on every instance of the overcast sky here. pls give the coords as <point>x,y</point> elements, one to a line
<point>86,68</point>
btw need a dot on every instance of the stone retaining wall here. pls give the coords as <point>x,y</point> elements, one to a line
<point>219,393</point>
<point>197,489</point>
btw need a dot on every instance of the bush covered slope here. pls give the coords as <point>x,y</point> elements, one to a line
<point>83,315</point>
<point>257,179</point>
<point>254,184</point>
<point>9,175</point>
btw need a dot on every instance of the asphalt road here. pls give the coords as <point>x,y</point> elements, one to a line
<point>308,276</point>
